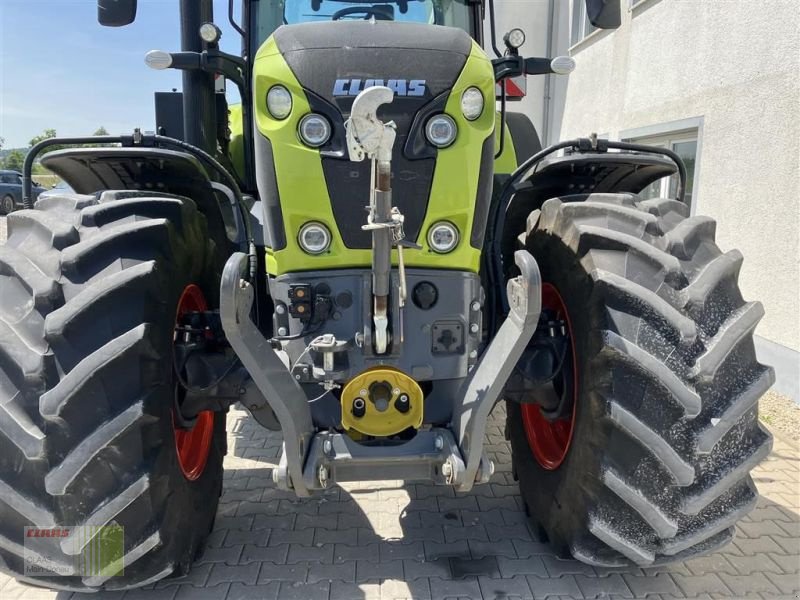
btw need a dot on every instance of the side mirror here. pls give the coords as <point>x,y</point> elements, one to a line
<point>604,14</point>
<point>116,13</point>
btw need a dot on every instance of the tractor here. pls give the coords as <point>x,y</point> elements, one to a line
<point>368,255</point>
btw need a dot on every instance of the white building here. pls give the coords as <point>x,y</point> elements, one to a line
<point>718,81</point>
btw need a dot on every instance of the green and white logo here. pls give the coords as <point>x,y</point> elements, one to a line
<point>95,551</point>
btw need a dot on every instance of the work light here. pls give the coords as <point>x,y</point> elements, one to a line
<point>443,237</point>
<point>210,33</point>
<point>314,130</point>
<point>314,238</point>
<point>472,103</point>
<point>279,102</point>
<point>514,38</point>
<point>441,131</point>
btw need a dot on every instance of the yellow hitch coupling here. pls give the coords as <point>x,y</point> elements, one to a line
<point>381,402</point>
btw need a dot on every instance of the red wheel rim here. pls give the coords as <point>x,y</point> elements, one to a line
<point>550,440</point>
<point>193,445</point>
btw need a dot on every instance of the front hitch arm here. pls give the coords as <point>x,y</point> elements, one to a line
<point>481,390</point>
<point>273,379</point>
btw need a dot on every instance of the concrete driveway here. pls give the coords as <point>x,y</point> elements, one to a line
<point>394,541</point>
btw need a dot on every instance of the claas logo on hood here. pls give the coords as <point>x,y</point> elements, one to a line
<point>400,87</point>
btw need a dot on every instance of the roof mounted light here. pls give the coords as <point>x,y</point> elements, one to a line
<point>514,38</point>
<point>210,33</point>
<point>158,60</point>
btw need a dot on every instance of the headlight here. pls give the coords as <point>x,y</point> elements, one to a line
<point>314,238</point>
<point>472,103</point>
<point>514,38</point>
<point>314,130</point>
<point>441,131</point>
<point>442,237</point>
<point>279,102</point>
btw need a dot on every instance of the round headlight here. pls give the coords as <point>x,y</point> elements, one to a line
<point>279,102</point>
<point>472,103</point>
<point>441,131</point>
<point>314,130</point>
<point>314,238</point>
<point>210,33</point>
<point>514,38</point>
<point>442,237</point>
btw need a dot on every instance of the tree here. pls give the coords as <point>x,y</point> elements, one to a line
<point>2,141</point>
<point>101,131</point>
<point>14,161</point>
<point>46,135</point>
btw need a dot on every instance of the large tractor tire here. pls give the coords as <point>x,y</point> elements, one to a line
<point>650,461</point>
<point>90,289</point>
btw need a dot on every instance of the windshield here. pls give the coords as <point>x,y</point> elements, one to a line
<point>268,15</point>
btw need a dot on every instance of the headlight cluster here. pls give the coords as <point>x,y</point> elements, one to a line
<point>441,130</point>
<point>443,237</point>
<point>314,130</point>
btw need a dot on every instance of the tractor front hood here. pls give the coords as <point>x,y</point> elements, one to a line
<point>325,66</point>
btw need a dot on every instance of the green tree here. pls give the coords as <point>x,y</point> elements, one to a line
<point>101,131</point>
<point>46,135</point>
<point>2,141</point>
<point>14,161</point>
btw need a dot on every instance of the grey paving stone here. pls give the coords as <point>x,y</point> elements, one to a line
<point>509,567</point>
<point>480,549</point>
<point>661,583</point>
<point>302,537</point>
<point>709,583</point>
<point>354,591</point>
<point>272,554</point>
<point>557,567</point>
<point>370,571</point>
<point>238,537</point>
<point>465,588</point>
<point>226,554</point>
<point>406,590</point>
<point>548,587</point>
<point>345,572</point>
<point>510,587</point>
<point>322,553</point>
<point>787,583</point>
<point>267,591</point>
<point>365,553</point>
<point>247,574</point>
<point>602,587</point>
<point>272,572</point>
<point>319,590</point>
<point>747,584</point>
<point>189,592</point>
<point>421,569</point>
<point>400,549</point>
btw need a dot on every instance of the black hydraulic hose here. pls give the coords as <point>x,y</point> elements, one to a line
<point>496,223</point>
<point>502,118</point>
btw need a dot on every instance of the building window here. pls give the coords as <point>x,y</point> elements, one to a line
<point>684,144</point>
<point>581,27</point>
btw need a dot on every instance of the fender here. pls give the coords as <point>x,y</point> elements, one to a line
<point>92,170</point>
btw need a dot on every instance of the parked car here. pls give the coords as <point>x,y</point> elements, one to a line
<point>11,191</point>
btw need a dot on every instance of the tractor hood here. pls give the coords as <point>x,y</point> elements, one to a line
<point>325,66</point>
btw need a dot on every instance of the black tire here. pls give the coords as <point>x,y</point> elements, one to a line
<point>666,428</point>
<point>7,205</point>
<point>88,295</point>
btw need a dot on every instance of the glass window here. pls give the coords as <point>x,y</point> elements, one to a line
<point>684,144</point>
<point>268,16</point>
<point>581,27</point>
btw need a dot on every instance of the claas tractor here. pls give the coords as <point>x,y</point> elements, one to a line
<point>368,254</point>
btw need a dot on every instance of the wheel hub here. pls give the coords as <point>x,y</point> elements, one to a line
<point>549,433</point>
<point>192,444</point>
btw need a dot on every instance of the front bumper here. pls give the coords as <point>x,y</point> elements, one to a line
<point>451,455</point>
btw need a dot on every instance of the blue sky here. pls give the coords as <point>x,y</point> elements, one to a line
<point>60,69</point>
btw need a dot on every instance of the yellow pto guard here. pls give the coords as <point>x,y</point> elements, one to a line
<point>382,402</point>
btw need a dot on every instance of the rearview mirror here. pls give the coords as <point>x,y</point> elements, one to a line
<point>116,13</point>
<point>604,14</point>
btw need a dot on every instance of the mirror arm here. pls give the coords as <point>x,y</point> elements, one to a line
<point>538,66</point>
<point>508,66</point>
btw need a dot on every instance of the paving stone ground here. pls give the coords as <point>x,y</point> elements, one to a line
<point>396,541</point>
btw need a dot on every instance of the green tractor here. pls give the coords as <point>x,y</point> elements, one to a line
<point>368,256</point>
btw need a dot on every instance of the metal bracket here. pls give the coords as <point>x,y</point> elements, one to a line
<point>483,387</point>
<point>268,371</point>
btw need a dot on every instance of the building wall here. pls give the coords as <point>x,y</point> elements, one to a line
<point>734,68</point>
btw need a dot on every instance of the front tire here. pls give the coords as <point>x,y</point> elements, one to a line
<point>664,428</point>
<point>89,291</point>
<point>7,205</point>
